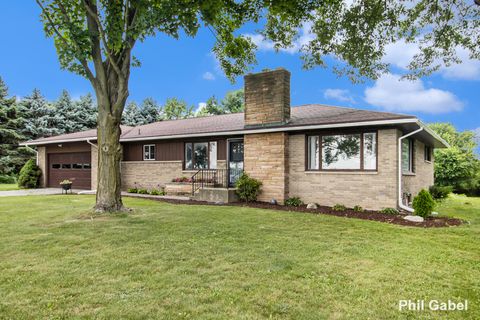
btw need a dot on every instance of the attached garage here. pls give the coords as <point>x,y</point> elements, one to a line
<point>73,166</point>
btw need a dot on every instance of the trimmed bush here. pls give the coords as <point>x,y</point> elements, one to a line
<point>339,207</point>
<point>247,188</point>
<point>293,202</point>
<point>358,208</point>
<point>389,211</point>
<point>132,190</point>
<point>29,176</point>
<point>440,192</point>
<point>423,204</point>
<point>142,191</point>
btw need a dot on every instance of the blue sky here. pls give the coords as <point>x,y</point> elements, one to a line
<point>186,69</point>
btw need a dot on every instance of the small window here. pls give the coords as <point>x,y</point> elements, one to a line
<point>77,166</point>
<point>407,156</point>
<point>428,153</point>
<point>56,166</point>
<point>188,156</point>
<point>313,153</point>
<point>149,152</point>
<point>212,157</point>
<point>66,166</point>
<point>370,151</point>
<point>87,166</point>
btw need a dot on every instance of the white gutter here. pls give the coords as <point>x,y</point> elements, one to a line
<point>36,153</point>
<point>400,204</point>
<point>92,144</point>
<point>56,141</point>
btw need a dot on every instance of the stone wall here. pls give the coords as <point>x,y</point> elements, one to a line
<point>267,98</point>
<point>371,190</point>
<point>150,174</point>
<point>423,176</point>
<point>42,163</point>
<point>266,159</point>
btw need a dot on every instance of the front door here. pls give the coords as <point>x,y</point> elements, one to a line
<point>235,160</point>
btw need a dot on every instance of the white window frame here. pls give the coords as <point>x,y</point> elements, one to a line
<point>149,152</point>
<point>411,157</point>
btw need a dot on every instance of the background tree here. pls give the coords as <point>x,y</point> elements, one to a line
<point>211,107</point>
<point>38,117</point>
<point>87,110</point>
<point>176,109</point>
<point>457,166</point>
<point>101,34</point>
<point>150,111</point>
<point>132,115</point>
<point>234,101</point>
<point>11,157</point>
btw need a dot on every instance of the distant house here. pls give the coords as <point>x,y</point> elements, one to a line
<point>319,153</point>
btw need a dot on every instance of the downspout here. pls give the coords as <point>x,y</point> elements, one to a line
<point>36,153</point>
<point>400,204</point>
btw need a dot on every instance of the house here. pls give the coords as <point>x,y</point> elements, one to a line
<point>320,153</point>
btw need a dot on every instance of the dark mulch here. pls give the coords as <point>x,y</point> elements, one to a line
<point>430,222</point>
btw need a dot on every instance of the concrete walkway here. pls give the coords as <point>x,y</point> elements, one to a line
<point>34,192</point>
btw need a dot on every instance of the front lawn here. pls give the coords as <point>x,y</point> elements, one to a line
<point>206,262</point>
<point>8,186</point>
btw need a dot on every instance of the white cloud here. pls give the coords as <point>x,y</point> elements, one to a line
<point>400,54</point>
<point>208,76</point>
<point>393,94</point>
<point>304,38</point>
<point>342,95</point>
<point>201,106</point>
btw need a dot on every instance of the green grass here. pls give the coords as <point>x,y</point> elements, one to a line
<point>205,262</point>
<point>8,186</point>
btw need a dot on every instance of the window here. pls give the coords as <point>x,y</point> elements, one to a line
<point>149,152</point>
<point>342,152</point>
<point>407,156</point>
<point>77,166</point>
<point>87,166</point>
<point>428,153</point>
<point>200,155</point>
<point>55,166</point>
<point>66,166</point>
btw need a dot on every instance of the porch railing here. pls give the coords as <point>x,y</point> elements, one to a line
<point>214,178</point>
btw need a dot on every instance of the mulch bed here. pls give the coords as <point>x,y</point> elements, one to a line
<point>430,222</point>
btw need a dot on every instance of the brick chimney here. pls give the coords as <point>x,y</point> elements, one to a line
<point>267,98</point>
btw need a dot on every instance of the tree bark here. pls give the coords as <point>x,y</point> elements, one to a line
<point>109,157</point>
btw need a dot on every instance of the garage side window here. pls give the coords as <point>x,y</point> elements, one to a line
<point>149,152</point>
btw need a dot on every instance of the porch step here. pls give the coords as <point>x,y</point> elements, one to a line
<point>222,195</point>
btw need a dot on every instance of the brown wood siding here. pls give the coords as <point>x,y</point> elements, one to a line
<point>81,178</point>
<point>170,150</point>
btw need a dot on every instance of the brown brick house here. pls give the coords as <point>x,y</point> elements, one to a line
<point>319,153</point>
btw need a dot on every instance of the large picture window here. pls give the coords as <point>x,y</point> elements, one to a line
<point>200,155</point>
<point>357,151</point>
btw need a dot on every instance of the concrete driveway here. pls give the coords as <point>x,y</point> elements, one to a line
<point>36,192</point>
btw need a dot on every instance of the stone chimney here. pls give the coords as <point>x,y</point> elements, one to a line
<point>267,98</point>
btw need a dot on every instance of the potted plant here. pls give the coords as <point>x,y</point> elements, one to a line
<point>66,185</point>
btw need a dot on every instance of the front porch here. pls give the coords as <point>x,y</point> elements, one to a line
<point>215,185</point>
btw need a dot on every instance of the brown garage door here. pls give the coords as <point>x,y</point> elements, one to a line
<point>74,166</point>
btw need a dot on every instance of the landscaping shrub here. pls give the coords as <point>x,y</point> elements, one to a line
<point>142,191</point>
<point>423,204</point>
<point>156,192</point>
<point>293,202</point>
<point>339,207</point>
<point>29,176</point>
<point>440,192</point>
<point>7,179</point>
<point>389,211</point>
<point>358,208</point>
<point>182,179</point>
<point>247,188</point>
<point>132,190</point>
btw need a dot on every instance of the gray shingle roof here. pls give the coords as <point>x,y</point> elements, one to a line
<point>305,115</point>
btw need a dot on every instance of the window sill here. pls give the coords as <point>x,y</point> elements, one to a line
<point>429,162</point>
<point>341,172</point>
<point>411,174</point>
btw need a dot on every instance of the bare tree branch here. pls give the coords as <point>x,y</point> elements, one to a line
<point>82,61</point>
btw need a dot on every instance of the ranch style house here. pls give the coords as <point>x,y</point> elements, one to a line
<point>322,154</point>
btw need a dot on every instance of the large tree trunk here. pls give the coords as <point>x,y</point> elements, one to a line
<point>109,156</point>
